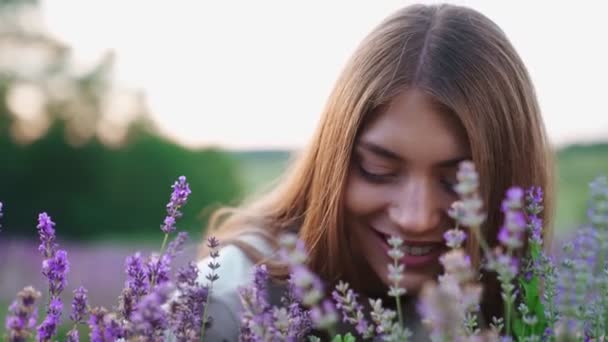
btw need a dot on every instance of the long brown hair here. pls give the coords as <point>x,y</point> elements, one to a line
<point>466,64</point>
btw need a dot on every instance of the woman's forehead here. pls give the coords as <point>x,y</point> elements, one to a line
<point>414,128</point>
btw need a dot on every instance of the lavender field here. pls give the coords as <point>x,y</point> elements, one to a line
<point>99,267</point>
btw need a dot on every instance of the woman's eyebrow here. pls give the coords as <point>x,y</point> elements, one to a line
<point>379,150</point>
<point>388,154</point>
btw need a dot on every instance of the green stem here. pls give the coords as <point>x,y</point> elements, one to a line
<point>397,299</point>
<point>162,250</point>
<point>204,323</point>
<point>508,314</point>
<point>509,300</point>
<point>162,246</point>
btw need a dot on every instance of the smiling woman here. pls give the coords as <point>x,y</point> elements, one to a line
<point>405,164</point>
<point>429,87</point>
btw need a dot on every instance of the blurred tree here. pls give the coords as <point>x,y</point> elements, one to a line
<point>62,153</point>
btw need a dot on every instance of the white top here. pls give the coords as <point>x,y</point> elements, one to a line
<point>236,270</point>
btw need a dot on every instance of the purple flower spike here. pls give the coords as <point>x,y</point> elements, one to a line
<point>72,336</point>
<point>187,275</point>
<point>513,200</point>
<point>48,328</point>
<point>158,268</point>
<point>97,325</point>
<point>55,270</point>
<point>137,280</point>
<point>515,224</point>
<point>308,287</point>
<point>177,245</point>
<point>149,318</point>
<point>79,305</point>
<point>179,197</point>
<point>22,315</point>
<point>454,238</point>
<point>46,231</point>
<point>0,214</point>
<point>324,316</point>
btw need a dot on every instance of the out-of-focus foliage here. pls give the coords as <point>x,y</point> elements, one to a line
<point>60,151</point>
<point>95,191</point>
<point>578,165</point>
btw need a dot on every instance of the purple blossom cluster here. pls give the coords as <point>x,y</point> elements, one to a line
<point>22,315</point>
<point>55,268</point>
<point>150,306</point>
<point>179,197</point>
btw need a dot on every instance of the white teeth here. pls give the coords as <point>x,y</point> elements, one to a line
<point>415,250</point>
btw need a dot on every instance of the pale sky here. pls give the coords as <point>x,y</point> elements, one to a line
<point>256,74</point>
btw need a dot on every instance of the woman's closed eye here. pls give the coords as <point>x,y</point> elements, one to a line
<point>376,174</point>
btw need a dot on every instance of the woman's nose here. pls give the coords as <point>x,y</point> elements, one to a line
<point>414,209</point>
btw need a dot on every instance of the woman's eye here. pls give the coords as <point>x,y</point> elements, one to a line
<point>374,176</point>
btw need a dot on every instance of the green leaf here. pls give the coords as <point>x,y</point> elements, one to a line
<point>531,297</point>
<point>313,338</point>
<point>349,338</point>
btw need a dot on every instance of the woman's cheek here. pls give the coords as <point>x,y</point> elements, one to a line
<point>362,198</point>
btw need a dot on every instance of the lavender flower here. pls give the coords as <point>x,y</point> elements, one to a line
<point>324,316</point>
<point>1,214</point>
<point>157,269</point>
<point>137,279</point>
<point>97,324</point>
<point>149,318</point>
<point>534,200</point>
<point>352,311</point>
<point>55,269</point>
<point>448,307</point>
<point>46,231</point>
<point>179,197</point>
<point>79,305</point>
<point>511,232</point>
<point>257,320</point>
<point>79,309</point>
<point>454,238</point>
<point>176,246</point>
<point>72,336</point>
<point>386,326</point>
<point>299,319</point>
<point>186,311</point>
<point>22,315</point>
<point>307,286</point>
<point>213,244</point>
<point>187,275</point>
<point>469,213</point>
<point>48,328</point>
<point>395,273</point>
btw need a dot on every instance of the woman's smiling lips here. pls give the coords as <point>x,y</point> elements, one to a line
<point>417,254</point>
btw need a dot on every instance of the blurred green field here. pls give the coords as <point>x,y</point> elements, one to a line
<point>578,165</point>
<point>259,169</point>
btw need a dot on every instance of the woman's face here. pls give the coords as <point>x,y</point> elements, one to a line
<point>400,183</point>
